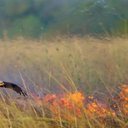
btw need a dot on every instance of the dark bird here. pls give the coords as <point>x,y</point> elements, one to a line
<point>12,86</point>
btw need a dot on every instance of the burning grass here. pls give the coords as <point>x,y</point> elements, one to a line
<point>69,110</point>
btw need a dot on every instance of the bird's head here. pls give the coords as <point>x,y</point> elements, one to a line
<point>1,83</point>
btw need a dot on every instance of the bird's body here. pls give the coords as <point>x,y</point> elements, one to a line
<point>12,86</point>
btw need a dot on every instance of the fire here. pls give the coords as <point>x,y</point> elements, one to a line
<point>77,98</point>
<point>75,105</point>
<point>50,98</point>
<point>124,93</point>
<point>67,107</point>
<point>98,109</point>
<point>122,100</point>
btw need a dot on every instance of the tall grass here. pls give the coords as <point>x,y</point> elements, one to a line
<point>89,63</point>
<point>58,65</point>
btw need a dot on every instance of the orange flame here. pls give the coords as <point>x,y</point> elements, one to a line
<point>72,105</point>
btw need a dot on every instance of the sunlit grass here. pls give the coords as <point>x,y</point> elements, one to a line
<point>85,62</point>
<point>60,65</point>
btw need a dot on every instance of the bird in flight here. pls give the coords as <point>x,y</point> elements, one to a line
<point>12,86</point>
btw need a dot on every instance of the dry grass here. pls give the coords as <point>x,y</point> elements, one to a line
<point>57,65</point>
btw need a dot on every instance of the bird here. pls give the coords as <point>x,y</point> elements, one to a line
<point>12,86</point>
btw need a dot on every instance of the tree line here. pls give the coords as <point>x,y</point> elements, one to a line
<point>35,18</point>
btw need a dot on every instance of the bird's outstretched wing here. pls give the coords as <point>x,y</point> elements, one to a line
<point>12,86</point>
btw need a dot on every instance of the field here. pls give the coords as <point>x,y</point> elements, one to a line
<point>71,83</point>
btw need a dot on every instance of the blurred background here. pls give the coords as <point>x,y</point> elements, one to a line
<point>40,18</point>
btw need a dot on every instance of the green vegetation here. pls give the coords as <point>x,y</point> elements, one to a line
<point>29,26</point>
<point>51,17</point>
